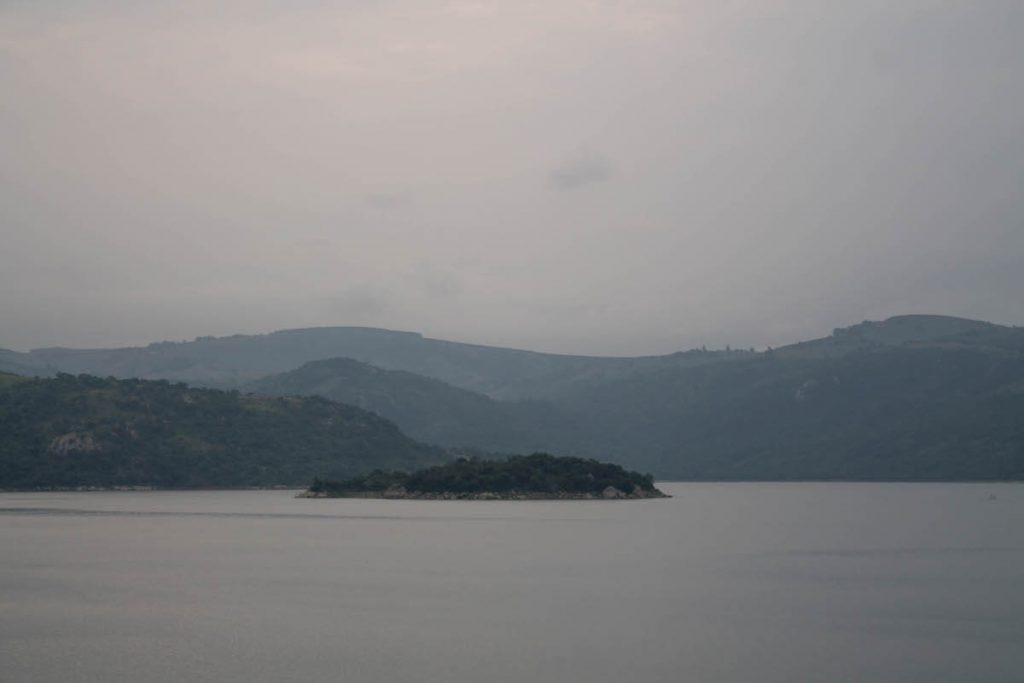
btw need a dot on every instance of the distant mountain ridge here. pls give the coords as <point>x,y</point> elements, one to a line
<point>427,409</point>
<point>230,362</point>
<point>502,373</point>
<point>903,330</point>
<point>910,398</point>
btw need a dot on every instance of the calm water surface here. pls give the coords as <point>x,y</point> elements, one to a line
<point>723,582</point>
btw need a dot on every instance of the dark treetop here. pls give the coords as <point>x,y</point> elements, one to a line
<point>537,475</point>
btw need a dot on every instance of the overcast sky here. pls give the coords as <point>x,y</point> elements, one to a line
<point>618,177</point>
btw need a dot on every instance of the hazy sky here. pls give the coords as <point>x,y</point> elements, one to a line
<point>600,177</point>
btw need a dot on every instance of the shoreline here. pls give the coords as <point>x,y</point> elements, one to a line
<point>484,495</point>
<point>142,488</point>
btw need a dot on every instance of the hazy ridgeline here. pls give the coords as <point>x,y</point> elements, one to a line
<point>911,398</point>
<point>629,186</point>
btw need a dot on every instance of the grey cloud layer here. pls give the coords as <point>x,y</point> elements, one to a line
<point>578,176</point>
<point>583,168</point>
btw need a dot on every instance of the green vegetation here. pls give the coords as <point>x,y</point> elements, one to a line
<point>900,400</point>
<point>427,409</point>
<point>893,413</point>
<point>910,398</point>
<point>539,473</point>
<point>8,380</point>
<point>82,431</point>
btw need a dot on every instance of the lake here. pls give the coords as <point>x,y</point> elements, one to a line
<point>722,582</point>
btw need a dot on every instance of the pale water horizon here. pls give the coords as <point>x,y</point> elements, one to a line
<point>722,582</point>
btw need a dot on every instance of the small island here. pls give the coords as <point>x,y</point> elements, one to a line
<point>523,477</point>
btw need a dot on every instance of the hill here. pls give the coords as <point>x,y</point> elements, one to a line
<point>427,409</point>
<point>912,397</point>
<point>232,362</point>
<point>85,431</point>
<point>904,330</point>
<point>500,373</point>
<point>904,412</point>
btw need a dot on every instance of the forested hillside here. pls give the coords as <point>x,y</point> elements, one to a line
<point>910,398</point>
<point>427,409</point>
<point>75,431</point>
<point>916,397</point>
<point>891,413</point>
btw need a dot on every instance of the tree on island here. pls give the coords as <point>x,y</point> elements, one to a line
<point>540,473</point>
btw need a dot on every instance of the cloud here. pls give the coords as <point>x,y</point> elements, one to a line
<point>358,305</point>
<point>435,283</point>
<point>400,199</point>
<point>581,169</point>
<point>182,169</point>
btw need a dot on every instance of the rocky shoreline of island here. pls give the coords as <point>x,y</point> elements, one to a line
<point>609,493</point>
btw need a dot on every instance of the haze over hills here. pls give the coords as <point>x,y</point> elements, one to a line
<point>907,330</point>
<point>501,373</point>
<point>228,362</point>
<point>891,413</point>
<point>912,397</point>
<point>427,409</point>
